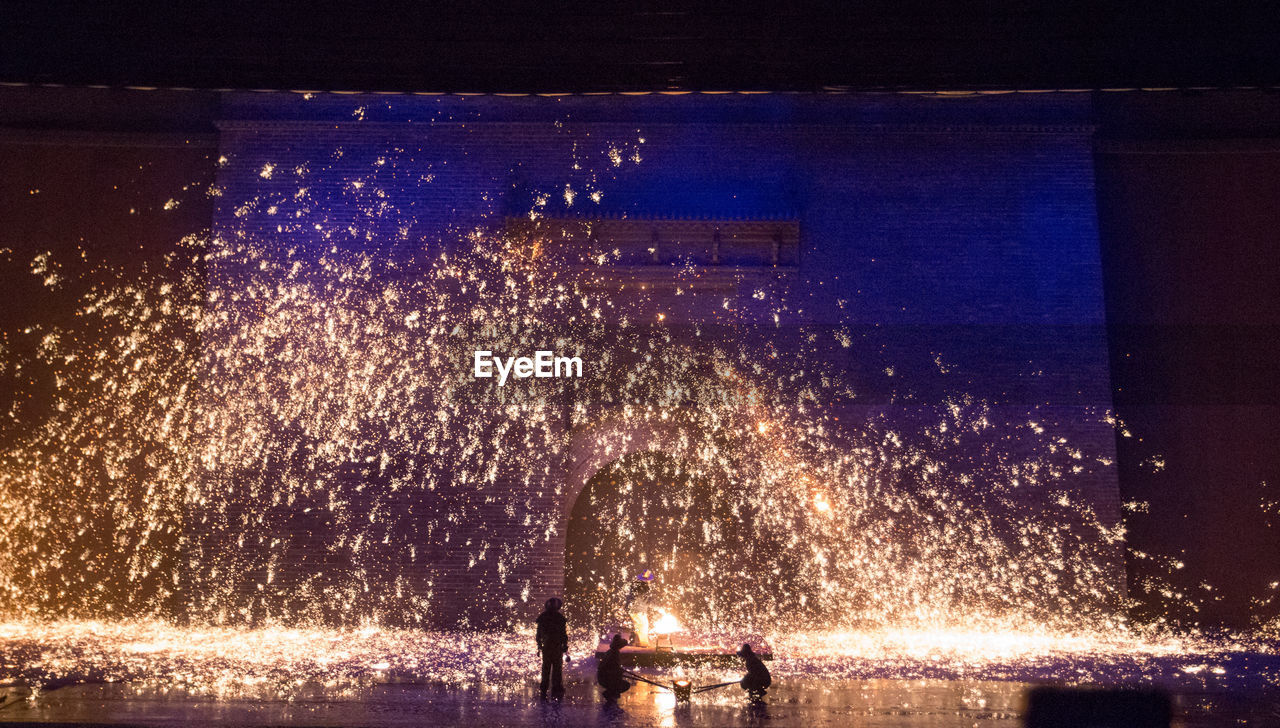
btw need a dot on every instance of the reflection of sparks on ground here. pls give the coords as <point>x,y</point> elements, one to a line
<point>274,662</point>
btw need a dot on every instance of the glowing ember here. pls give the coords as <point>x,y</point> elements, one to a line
<point>821,503</point>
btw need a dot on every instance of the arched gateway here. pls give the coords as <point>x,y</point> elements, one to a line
<point>593,452</point>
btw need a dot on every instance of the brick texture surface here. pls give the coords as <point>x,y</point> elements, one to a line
<point>953,230</point>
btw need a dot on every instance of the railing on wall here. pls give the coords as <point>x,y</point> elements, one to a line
<point>710,251</point>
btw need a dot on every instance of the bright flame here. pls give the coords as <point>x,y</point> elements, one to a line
<point>666,624</point>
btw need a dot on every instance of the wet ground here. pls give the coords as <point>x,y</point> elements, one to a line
<point>809,704</point>
<point>154,673</point>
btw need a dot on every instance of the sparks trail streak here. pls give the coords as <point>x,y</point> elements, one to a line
<point>282,429</point>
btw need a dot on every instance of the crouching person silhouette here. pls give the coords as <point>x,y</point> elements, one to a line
<point>553,646</point>
<point>757,680</point>
<point>609,672</point>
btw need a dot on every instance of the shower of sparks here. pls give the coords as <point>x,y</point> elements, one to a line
<point>276,442</point>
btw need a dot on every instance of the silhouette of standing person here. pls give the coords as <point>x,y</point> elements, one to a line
<point>553,645</point>
<point>609,672</point>
<point>757,680</point>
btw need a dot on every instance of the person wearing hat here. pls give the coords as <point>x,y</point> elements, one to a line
<point>553,645</point>
<point>609,672</point>
<point>757,680</point>
<point>638,606</point>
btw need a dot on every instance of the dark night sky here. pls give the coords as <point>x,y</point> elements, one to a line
<point>560,47</point>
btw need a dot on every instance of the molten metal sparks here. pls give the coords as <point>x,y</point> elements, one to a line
<point>281,428</point>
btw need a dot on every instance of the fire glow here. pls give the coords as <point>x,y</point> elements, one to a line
<point>666,624</point>
<point>191,419</point>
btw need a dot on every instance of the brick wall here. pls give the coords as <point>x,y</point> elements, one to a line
<point>959,231</point>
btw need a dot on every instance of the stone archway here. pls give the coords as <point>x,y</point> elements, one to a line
<point>631,516</point>
<point>592,449</point>
<point>641,498</point>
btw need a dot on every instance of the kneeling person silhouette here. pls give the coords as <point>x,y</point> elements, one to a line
<point>757,680</point>
<point>609,673</point>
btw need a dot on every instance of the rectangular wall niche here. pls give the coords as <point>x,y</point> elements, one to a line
<point>645,243</point>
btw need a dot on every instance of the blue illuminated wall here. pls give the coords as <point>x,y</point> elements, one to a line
<point>956,237</point>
